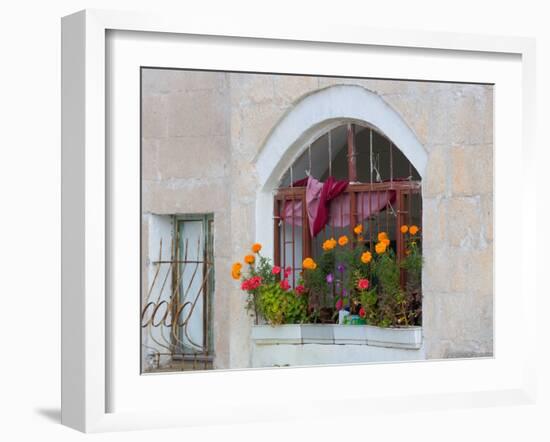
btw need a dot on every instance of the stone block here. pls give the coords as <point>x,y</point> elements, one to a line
<point>150,169</point>
<point>436,270</point>
<point>471,170</point>
<point>464,222</point>
<point>435,180</point>
<point>256,121</point>
<point>250,88</point>
<point>184,196</point>
<point>193,157</point>
<point>154,110</point>
<point>480,274</point>
<point>434,222</point>
<point>198,113</point>
<point>167,81</point>
<point>291,88</point>
<point>487,221</point>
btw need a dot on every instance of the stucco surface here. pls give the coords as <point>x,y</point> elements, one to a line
<point>202,131</point>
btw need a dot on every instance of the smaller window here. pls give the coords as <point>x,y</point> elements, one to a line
<point>177,306</point>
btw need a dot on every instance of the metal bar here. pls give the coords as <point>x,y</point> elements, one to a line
<point>284,234</point>
<point>293,242</point>
<point>306,236</point>
<point>276,233</point>
<point>391,161</point>
<point>355,187</point>
<point>329,153</point>
<point>352,160</point>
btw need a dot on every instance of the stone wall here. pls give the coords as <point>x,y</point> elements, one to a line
<point>202,132</point>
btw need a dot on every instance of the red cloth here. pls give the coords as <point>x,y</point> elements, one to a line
<point>318,197</point>
<point>331,189</point>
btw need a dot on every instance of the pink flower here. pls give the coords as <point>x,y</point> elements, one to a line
<point>288,271</point>
<point>284,284</point>
<point>276,270</point>
<point>300,289</point>
<point>339,304</point>
<point>363,284</point>
<point>362,312</point>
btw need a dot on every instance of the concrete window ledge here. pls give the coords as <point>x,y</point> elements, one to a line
<point>333,334</point>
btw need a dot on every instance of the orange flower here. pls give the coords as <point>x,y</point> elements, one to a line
<point>414,230</point>
<point>236,270</point>
<point>309,264</point>
<point>256,247</point>
<point>358,229</point>
<point>366,257</point>
<point>404,228</point>
<point>249,259</point>
<point>329,244</point>
<point>382,236</point>
<point>380,247</point>
<point>343,240</point>
<point>386,241</point>
<point>360,238</point>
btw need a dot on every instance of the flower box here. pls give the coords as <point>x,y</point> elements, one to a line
<point>334,334</point>
<point>277,334</point>
<point>317,334</point>
<point>394,337</point>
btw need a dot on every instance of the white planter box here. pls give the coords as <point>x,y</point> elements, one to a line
<point>394,337</point>
<point>277,334</point>
<point>317,334</point>
<point>334,334</point>
<point>350,334</point>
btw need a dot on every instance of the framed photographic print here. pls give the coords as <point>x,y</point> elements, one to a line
<point>256,216</point>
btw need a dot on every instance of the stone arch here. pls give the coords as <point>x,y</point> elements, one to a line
<point>309,118</point>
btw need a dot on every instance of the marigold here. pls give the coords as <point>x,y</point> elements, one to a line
<point>386,241</point>
<point>404,228</point>
<point>343,240</point>
<point>249,259</point>
<point>380,247</point>
<point>366,257</point>
<point>309,264</point>
<point>414,230</point>
<point>329,244</point>
<point>256,247</point>
<point>236,270</point>
<point>358,229</point>
<point>382,236</point>
<point>236,266</point>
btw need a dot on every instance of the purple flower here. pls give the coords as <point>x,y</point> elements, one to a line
<point>341,268</point>
<point>330,278</point>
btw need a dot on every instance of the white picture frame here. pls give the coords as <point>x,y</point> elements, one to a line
<point>86,204</point>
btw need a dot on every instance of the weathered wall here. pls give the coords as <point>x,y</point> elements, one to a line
<point>202,131</point>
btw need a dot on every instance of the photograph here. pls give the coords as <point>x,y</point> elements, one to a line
<point>300,220</point>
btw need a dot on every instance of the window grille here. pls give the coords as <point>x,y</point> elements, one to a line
<point>384,192</point>
<point>177,310</point>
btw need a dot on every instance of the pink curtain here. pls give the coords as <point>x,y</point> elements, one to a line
<point>368,203</point>
<point>326,204</point>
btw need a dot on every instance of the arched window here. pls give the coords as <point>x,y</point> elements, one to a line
<point>352,175</point>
